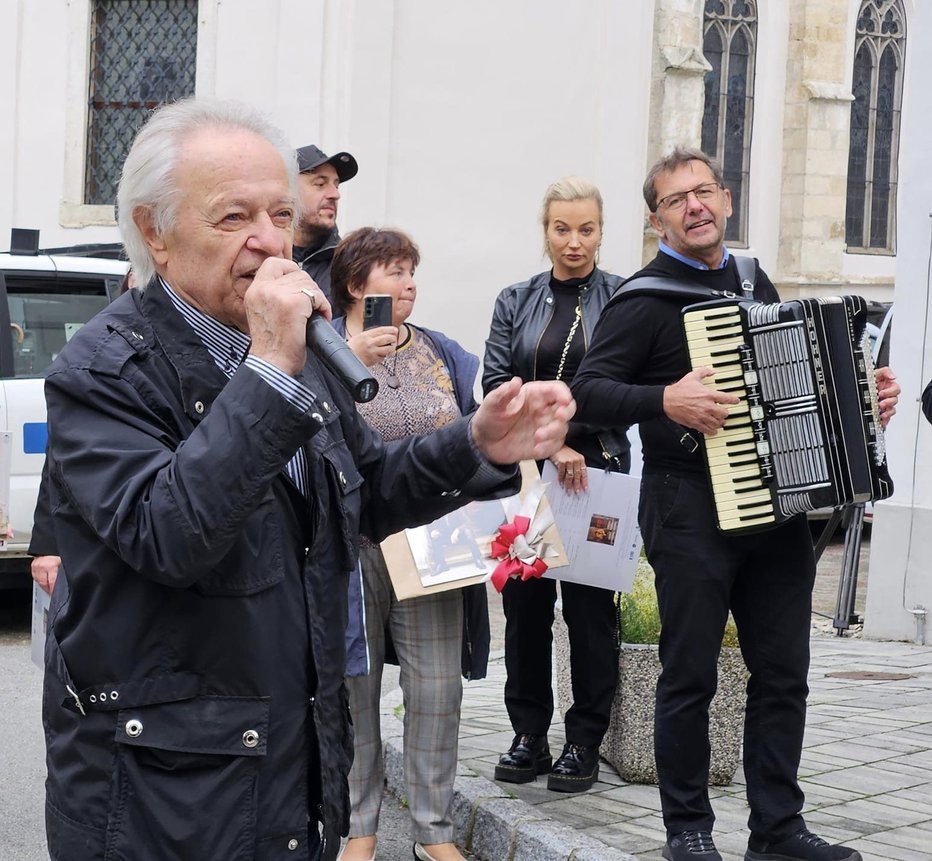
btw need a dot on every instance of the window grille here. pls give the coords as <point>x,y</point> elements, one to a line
<point>142,54</point>
<point>877,86</point>
<point>730,46</point>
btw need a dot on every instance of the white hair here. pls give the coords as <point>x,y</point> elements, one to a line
<point>148,179</point>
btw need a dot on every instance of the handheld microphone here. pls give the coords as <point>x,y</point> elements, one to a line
<point>336,354</point>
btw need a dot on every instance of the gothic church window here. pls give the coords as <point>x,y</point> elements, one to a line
<point>142,54</point>
<point>730,46</point>
<point>877,86</point>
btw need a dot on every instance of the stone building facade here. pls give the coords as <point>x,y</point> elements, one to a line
<point>799,141</point>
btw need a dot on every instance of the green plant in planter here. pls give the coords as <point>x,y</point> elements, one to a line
<point>639,617</point>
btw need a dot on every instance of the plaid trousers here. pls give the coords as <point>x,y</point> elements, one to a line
<point>427,634</point>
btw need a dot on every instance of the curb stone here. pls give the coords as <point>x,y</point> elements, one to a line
<point>488,821</point>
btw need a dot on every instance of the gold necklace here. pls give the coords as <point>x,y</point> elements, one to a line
<point>569,340</point>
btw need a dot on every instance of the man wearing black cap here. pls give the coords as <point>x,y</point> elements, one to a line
<point>316,234</point>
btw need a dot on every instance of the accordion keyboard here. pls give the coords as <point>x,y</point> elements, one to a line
<point>738,455</point>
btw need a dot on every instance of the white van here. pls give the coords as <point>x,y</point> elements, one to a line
<point>45,297</point>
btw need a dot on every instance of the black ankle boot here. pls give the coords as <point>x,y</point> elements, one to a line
<point>576,769</point>
<point>528,756</point>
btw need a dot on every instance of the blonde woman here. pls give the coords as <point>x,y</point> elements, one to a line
<point>540,330</point>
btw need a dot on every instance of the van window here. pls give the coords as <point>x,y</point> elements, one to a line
<point>45,315</point>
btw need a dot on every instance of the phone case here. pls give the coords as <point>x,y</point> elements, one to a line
<point>376,310</point>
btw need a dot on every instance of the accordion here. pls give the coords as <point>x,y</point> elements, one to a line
<point>806,433</point>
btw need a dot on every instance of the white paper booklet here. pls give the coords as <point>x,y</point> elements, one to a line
<point>599,529</point>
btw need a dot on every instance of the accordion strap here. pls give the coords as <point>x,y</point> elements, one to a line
<point>747,272</point>
<point>676,288</point>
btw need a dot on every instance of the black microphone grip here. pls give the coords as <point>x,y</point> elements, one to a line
<point>336,354</point>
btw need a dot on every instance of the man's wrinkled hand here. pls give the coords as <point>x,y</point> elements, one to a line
<point>523,421</point>
<point>278,304</point>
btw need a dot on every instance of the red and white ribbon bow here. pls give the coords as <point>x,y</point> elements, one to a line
<point>519,545</point>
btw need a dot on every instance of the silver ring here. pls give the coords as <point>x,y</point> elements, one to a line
<point>310,296</point>
<point>570,472</point>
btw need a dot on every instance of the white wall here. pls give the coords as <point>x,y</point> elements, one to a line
<point>459,116</point>
<point>901,543</point>
<point>9,48</point>
<point>34,41</point>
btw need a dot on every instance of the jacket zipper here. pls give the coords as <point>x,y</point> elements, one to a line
<point>541,335</point>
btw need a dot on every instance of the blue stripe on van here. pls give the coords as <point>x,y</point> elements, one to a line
<point>35,437</point>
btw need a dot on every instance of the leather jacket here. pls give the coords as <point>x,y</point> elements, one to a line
<point>522,313</point>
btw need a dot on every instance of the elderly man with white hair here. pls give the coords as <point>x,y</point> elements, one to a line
<point>209,480</point>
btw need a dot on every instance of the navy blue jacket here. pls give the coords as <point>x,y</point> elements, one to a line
<point>199,648</point>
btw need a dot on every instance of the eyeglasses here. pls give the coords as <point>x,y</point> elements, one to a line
<point>677,201</point>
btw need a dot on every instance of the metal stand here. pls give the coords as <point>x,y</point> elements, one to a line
<point>853,518</point>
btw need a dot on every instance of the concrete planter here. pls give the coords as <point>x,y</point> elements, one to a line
<point>629,743</point>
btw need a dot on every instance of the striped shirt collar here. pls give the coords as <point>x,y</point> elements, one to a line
<point>696,264</point>
<point>227,346</point>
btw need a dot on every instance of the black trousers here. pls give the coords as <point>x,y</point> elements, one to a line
<point>766,580</point>
<point>592,622</point>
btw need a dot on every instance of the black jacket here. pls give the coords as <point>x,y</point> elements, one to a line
<point>522,312</point>
<point>200,643</point>
<point>316,262</point>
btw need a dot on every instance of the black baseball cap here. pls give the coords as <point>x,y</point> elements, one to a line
<point>311,156</point>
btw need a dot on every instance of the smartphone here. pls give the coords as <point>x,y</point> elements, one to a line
<point>376,310</point>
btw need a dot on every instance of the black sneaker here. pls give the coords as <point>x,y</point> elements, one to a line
<point>690,846</point>
<point>528,756</point>
<point>802,846</point>
<point>576,769</point>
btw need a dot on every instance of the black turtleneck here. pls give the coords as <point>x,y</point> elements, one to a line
<point>553,339</point>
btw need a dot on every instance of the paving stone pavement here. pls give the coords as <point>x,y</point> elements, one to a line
<point>866,771</point>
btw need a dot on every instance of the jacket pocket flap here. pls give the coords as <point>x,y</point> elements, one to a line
<point>228,726</point>
<point>347,477</point>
